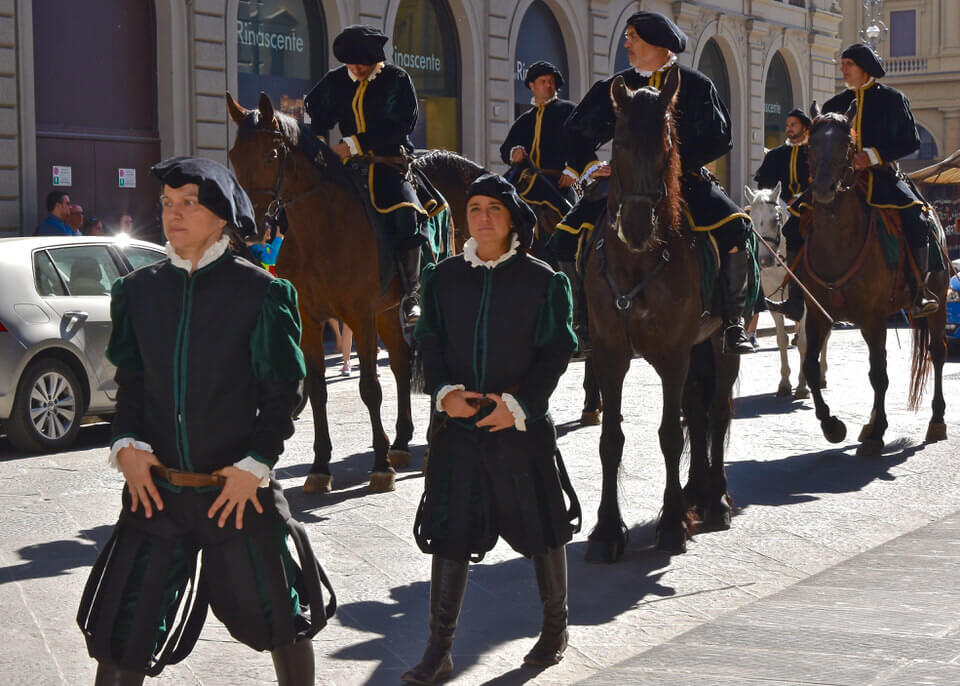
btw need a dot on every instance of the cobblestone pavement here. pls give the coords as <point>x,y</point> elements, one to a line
<point>804,506</point>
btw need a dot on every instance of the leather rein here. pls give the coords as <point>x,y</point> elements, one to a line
<point>281,153</point>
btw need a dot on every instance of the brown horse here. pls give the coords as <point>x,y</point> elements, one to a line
<point>643,289</point>
<point>330,256</point>
<point>845,268</point>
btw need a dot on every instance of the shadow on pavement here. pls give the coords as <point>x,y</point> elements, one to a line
<point>90,436</point>
<point>57,557</point>
<point>502,604</point>
<point>753,406</point>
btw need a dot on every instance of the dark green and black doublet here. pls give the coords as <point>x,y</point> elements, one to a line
<point>208,366</point>
<point>539,130</point>
<point>504,329</point>
<point>789,166</point>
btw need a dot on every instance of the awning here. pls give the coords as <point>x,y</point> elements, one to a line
<point>947,171</point>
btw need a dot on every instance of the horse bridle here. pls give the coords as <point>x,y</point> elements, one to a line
<point>282,151</point>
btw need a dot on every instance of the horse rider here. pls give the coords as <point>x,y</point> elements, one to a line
<point>653,42</point>
<point>535,148</point>
<point>496,337</point>
<point>375,106</point>
<point>884,131</point>
<point>208,361</point>
<point>789,166</point>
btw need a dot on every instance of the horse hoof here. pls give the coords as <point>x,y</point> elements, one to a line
<point>590,418</point>
<point>801,394</point>
<point>784,390</point>
<point>865,432</point>
<point>604,551</point>
<point>936,432</point>
<point>833,429</point>
<point>382,482</point>
<point>716,517</point>
<point>399,459</point>
<point>871,447</point>
<point>672,541</point>
<point>318,483</point>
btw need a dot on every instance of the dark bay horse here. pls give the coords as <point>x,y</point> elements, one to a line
<point>330,255</point>
<point>643,289</point>
<point>845,267</point>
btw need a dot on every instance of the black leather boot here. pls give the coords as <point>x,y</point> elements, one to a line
<point>448,581</point>
<point>109,674</point>
<point>924,303</point>
<point>294,664</point>
<point>551,570</point>
<point>792,307</point>
<point>733,277</point>
<point>408,269</point>
<point>580,325</point>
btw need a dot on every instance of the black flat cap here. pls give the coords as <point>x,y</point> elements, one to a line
<point>865,58</point>
<point>360,44</point>
<point>220,192</point>
<point>797,113</point>
<point>538,69</point>
<point>657,29</point>
<point>495,186</point>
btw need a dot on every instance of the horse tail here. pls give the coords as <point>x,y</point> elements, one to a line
<point>418,382</point>
<point>920,362</point>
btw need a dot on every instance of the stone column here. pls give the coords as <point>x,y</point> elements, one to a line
<point>499,105</point>
<point>951,130</point>
<point>10,195</point>
<point>208,41</point>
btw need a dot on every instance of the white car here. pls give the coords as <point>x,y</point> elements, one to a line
<point>54,328</point>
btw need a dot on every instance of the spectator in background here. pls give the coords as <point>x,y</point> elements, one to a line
<point>92,227</point>
<point>58,209</point>
<point>75,219</point>
<point>126,224</point>
<point>265,250</point>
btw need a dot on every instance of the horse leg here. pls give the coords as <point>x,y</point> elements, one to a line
<point>319,479</point>
<point>871,437</point>
<point>823,360</point>
<point>816,330</point>
<point>801,329</point>
<point>400,360</point>
<point>608,539</point>
<point>783,343</point>
<point>592,406</point>
<point>696,398</point>
<point>718,512</point>
<point>672,528</point>
<point>365,338</point>
<point>937,429</point>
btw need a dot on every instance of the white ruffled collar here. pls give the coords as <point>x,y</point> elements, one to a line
<point>666,65</point>
<point>211,255</point>
<point>376,71</point>
<point>556,96</point>
<point>470,253</point>
<point>864,87</point>
<point>791,144</point>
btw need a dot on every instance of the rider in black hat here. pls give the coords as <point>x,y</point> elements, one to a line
<point>375,105</point>
<point>496,337</point>
<point>653,42</point>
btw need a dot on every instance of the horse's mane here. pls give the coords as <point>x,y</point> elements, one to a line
<point>447,162</point>
<point>670,204</point>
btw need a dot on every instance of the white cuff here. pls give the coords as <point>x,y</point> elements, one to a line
<point>353,144</point>
<point>255,467</point>
<point>515,148</point>
<point>572,174</point>
<point>125,442</point>
<point>873,155</point>
<point>442,393</point>
<point>592,168</point>
<point>519,416</point>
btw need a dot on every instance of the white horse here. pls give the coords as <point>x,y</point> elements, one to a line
<point>767,214</point>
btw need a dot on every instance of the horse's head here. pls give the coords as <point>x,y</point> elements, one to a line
<point>831,151</point>
<point>644,187</point>
<point>767,216</point>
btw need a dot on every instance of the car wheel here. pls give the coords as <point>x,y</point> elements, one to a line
<point>47,409</point>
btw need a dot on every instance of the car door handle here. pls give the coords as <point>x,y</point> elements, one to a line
<point>76,316</point>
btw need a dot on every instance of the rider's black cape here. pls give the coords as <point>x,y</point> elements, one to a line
<point>788,165</point>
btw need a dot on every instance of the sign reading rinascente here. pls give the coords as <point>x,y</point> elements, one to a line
<point>248,34</point>
<point>421,62</point>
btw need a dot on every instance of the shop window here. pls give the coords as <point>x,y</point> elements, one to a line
<point>539,39</point>
<point>777,101</point>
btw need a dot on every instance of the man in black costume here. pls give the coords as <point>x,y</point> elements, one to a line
<point>653,43</point>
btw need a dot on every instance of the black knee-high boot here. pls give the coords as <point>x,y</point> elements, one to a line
<point>551,571</point>
<point>733,278</point>
<point>408,269</point>
<point>923,306</point>
<point>448,581</point>
<point>792,307</point>
<point>294,663</point>
<point>109,674</point>
<point>580,324</point>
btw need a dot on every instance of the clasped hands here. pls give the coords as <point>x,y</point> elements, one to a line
<point>465,404</point>
<point>241,487</point>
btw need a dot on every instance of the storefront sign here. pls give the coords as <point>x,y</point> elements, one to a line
<point>421,62</point>
<point>249,34</point>
<point>62,176</point>
<point>127,178</point>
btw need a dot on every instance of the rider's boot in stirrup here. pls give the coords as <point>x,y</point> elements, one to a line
<point>924,303</point>
<point>792,307</point>
<point>580,325</point>
<point>408,268</point>
<point>733,278</point>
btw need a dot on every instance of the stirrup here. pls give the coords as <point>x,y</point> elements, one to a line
<point>923,307</point>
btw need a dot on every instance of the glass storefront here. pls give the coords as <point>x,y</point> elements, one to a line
<point>425,46</point>
<point>777,101</point>
<point>714,67</point>
<point>281,50</point>
<point>539,39</point>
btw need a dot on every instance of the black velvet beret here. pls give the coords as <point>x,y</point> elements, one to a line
<point>219,190</point>
<point>495,186</point>
<point>360,44</point>
<point>797,113</point>
<point>865,58</point>
<point>658,30</point>
<point>538,69</point>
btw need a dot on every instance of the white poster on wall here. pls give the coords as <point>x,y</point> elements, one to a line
<point>62,176</point>
<point>127,178</point>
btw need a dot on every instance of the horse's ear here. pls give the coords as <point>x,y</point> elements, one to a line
<point>852,110</point>
<point>266,111</point>
<point>814,110</point>
<point>621,96</point>
<point>237,113</point>
<point>671,84</point>
<point>749,193</point>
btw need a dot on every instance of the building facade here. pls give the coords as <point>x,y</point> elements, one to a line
<point>91,94</point>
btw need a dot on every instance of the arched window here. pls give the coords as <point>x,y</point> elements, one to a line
<point>281,50</point>
<point>927,149</point>
<point>777,101</point>
<point>539,39</point>
<point>713,66</point>
<point>425,45</point>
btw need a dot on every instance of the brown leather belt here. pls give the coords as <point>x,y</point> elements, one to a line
<point>189,479</point>
<point>551,172</point>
